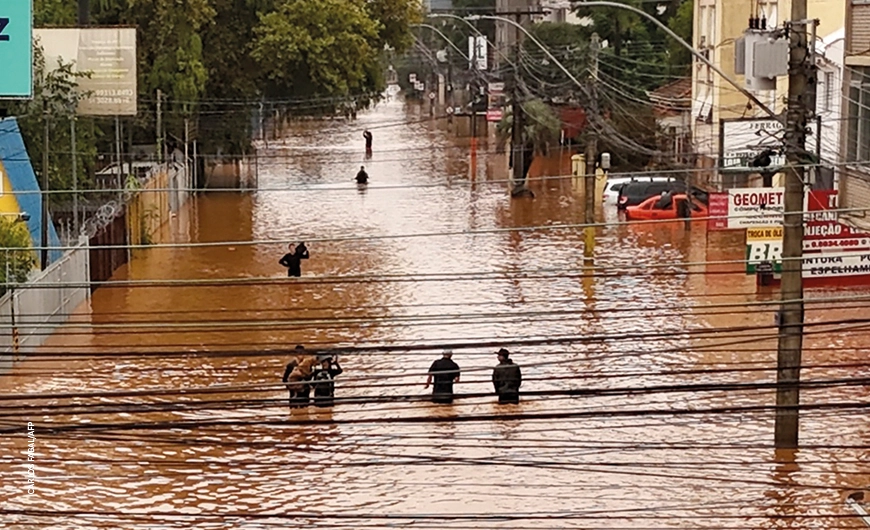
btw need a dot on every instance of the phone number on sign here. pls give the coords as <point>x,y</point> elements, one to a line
<point>837,243</point>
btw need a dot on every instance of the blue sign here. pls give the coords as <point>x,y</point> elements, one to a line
<point>16,48</point>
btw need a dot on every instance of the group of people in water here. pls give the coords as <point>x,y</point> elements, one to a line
<point>305,374</point>
<point>292,261</point>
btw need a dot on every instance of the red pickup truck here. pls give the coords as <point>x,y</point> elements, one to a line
<point>666,206</point>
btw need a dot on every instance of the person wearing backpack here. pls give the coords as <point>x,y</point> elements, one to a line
<point>323,382</point>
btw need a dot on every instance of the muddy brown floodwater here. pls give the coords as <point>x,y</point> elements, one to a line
<point>133,429</point>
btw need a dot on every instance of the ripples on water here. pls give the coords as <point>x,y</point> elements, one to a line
<point>607,460</point>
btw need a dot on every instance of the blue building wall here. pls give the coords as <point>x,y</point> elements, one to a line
<point>16,162</point>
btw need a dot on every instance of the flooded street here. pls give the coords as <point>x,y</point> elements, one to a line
<point>649,402</point>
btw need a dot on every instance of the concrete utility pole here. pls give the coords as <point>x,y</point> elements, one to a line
<point>517,140</point>
<point>84,12</point>
<point>160,125</point>
<point>791,314</point>
<point>75,178</point>
<point>45,217</point>
<point>591,147</point>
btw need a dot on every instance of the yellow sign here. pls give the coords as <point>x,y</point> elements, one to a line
<point>766,233</point>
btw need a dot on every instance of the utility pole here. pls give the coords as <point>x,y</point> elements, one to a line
<point>591,148</point>
<point>160,125</point>
<point>186,143</point>
<point>517,143</point>
<point>75,178</point>
<point>84,12</point>
<point>474,95</point>
<point>791,314</point>
<point>45,217</point>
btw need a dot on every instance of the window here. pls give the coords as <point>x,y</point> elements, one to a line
<point>858,120</point>
<point>768,10</point>
<point>829,91</point>
<point>702,106</point>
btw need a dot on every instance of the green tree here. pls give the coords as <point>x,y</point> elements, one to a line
<point>394,19</point>
<point>569,44</point>
<point>55,95</point>
<point>16,257</point>
<point>541,129</point>
<point>318,48</point>
<point>679,58</point>
<point>54,13</point>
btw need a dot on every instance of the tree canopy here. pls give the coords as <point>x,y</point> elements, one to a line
<point>218,61</point>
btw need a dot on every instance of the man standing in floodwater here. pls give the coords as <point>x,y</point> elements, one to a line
<point>507,378</point>
<point>445,372</point>
<point>362,177</point>
<point>368,136</point>
<point>293,259</point>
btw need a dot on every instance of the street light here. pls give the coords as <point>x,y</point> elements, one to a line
<point>533,39</point>
<point>689,47</point>
<point>479,34</point>
<point>438,31</point>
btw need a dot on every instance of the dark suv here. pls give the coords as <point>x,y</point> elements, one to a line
<point>635,192</point>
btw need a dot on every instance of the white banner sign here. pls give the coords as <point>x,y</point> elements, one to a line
<point>108,55</point>
<point>477,52</point>
<point>748,207</point>
<point>832,265</point>
<point>743,140</point>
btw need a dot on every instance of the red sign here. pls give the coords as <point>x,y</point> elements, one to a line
<point>493,115</point>
<point>718,211</point>
<point>822,230</point>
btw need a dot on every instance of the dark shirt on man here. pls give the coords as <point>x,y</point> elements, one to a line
<point>293,261</point>
<point>507,378</point>
<point>444,371</point>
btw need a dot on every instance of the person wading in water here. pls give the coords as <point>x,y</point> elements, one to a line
<point>445,372</point>
<point>507,378</point>
<point>293,259</point>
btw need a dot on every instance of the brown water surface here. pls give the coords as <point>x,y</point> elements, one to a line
<point>159,436</point>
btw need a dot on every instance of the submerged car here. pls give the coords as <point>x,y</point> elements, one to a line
<point>635,192</point>
<point>614,186</point>
<point>666,206</point>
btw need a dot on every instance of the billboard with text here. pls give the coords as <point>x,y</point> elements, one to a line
<point>108,55</point>
<point>16,49</point>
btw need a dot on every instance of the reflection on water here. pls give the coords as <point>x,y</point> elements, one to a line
<point>419,259</point>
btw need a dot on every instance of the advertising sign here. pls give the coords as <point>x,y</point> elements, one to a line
<point>763,244</point>
<point>832,250</point>
<point>751,207</point>
<point>16,49</point>
<point>743,140</point>
<point>836,265</point>
<point>717,209</point>
<point>477,52</point>
<point>108,55</point>
<point>495,101</point>
<point>823,231</point>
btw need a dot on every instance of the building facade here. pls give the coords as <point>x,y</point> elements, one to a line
<point>717,25</point>
<point>855,133</point>
<point>506,34</point>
